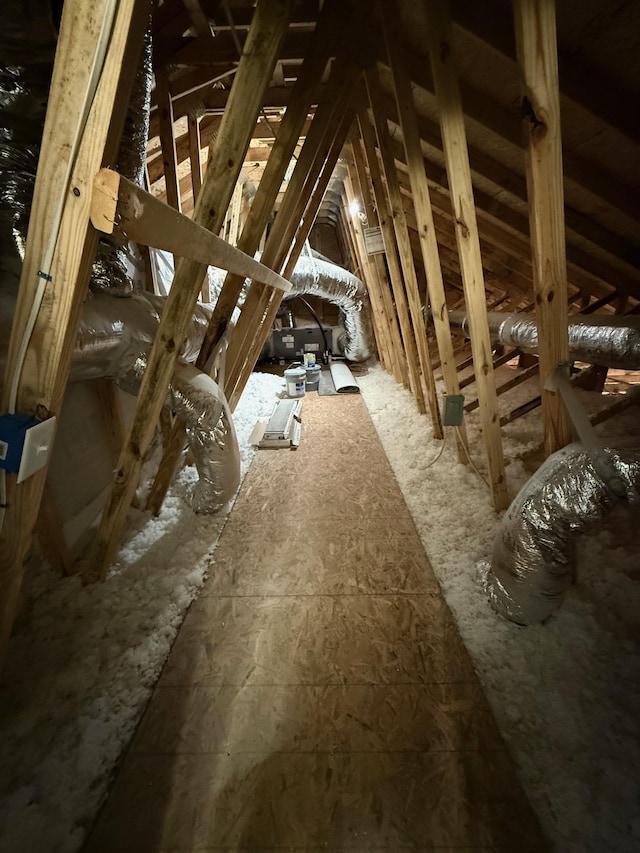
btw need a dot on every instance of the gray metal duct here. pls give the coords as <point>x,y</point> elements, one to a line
<point>609,341</point>
<point>533,559</point>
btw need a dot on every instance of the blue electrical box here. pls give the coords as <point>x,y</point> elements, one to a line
<point>453,409</point>
<point>13,431</point>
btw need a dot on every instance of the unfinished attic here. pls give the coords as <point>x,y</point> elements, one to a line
<point>319,434</point>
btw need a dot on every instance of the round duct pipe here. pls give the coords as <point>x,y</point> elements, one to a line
<point>609,341</point>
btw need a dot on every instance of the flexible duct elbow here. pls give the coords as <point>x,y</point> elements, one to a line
<point>315,277</point>
<point>534,552</point>
<point>197,399</point>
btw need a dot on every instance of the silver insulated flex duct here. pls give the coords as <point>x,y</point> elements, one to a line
<point>534,552</point>
<point>115,335</point>
<point>114,340</point>
<point>609,341</point>
<point>316,277</point>
<point>197,399</point>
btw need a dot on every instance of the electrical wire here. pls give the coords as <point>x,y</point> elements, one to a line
<point>439,453</point>
<point>43,274</point>
<point>470,460</point>
<point>317,319</point>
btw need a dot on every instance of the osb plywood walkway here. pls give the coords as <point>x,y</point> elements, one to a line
<point>318,696</point>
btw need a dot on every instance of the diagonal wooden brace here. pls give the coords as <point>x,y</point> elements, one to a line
<point>122,208</point>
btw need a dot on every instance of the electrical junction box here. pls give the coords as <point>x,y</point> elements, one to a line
<point>25,443</point>
<point>453,410</point>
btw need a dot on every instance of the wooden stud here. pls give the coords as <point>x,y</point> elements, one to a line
<point>296,217</point>
<point>537,54</point>
<point>404,250</point>
<point>422,206</point>
<point>120,207</point>
<point>225,162</point>
<point>399,355</point>
<point>397,284</point>
<point>519,379</point>
<point>343,80</point>
<point>254,229</point>
<point>62,188</point>
<point>50,532</point>
<point>455,147</point>
<point>167,138</point>
<point>367,274</point>
<point>194,156</point>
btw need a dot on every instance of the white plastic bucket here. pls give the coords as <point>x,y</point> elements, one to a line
<point>295,378</point>
<point>313,377</point>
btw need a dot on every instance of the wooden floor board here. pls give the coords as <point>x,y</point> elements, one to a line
<point>318,696</point>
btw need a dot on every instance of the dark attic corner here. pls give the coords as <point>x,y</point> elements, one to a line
<point>319,434</point>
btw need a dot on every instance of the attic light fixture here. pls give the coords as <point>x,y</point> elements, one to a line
<point>354,208</point>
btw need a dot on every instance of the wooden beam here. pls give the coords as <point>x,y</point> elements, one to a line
<point>503,123</point>
<point>454,140</point>
<point>111,410</point>
<point>194,156</point>
<point>367,272</point>
<point>519,379</point>
<point>400,358</point>
<point>497,362</point>
<point>404,250</point>
<point>294,206</point>
<point>620,264</point>
<point>535,27</point>
<point>198,18</point>
<point>50,533</point>
<point>369,275</point>
<point>520,411</point>
<point>167,138</point>
<point>397,284</point>
<point>61,242</point>
<point>306,223</point>
<point>294,203</point>
<point>120,207</point>
<point>509,230</point>
<point>422,204</point>
<point>234,223</point>
<point>580,83</point>
<point>302,96</point>
<point>226,156</point>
